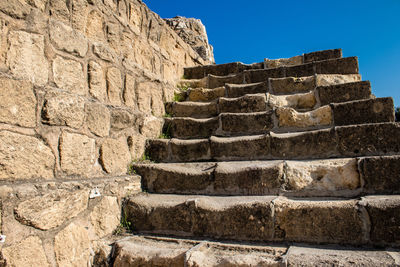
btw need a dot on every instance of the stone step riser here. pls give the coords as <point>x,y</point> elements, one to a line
<point>236,67</point>
<point>371,220</point>
<point>282,119</point>
<point>342,66</point>
<point>343,141</point>
<point>335,177</point>
<point>161,251</point>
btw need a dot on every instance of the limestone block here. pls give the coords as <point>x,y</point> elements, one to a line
<point>16,158</point>
<point>129,94</point>
<point>29,252</point>
<point>77,153</point>
<point>331,175</point>
<point>67,39</point>
<point>239,90</point>
<point>292,85</point>
<point>122,119</point>
<point>104,52</point>
<point>3,42</point>
<point>95,26</point>
<point>136,144</point>
<point>384,215</point>
<point>275,63</point>
<point>115,156</point>
<point>157,149</point>
<point>105,216</point>
<point>72,246</point>
<point>151,126</point>
<point>191,128</point>
<point>322,55</point>
<point>97,81</point>
<point>59,10</point>
<point>79,14</point>
<point>201,94</point>
<point>381,175</point>
<point>332,79</point>
<point>246,123</point>
<point>329,221</point>
<point>296,101</point>
<point>143,93</point>
<point>246,103</point>
<point>288,117</point>
<point>114,86</point>
<point>63,109</point>
<point>53,209</point>
<point>98,119</point>
<point>25,57</point>
<point>14,8</point>
<point>17,102</point>
<point>190,150</point>
<point>68,75</point>
<point>338,93</point>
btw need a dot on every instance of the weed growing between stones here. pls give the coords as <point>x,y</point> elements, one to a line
<point>125,226</point>
<point>178,97</point>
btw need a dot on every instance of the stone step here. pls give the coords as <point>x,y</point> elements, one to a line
<point>282,118</point>
<point>236,67</point>
<point>246,103</point>
<point>330,89</point>
<point>164,251</point>
<point>372,139</point>
<point>347,65</point>
<point>370,220</point>
<point>346,177</point>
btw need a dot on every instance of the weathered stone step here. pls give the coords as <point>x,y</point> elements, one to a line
<point>371,220</point>
<point>246,103</point>
<point>236,67</point>
<point>329,177</point>
<point>282,117</point>
<point>347,65</point>
<point>163,251</point>
<point>329,88</point>
<point>343,141</point>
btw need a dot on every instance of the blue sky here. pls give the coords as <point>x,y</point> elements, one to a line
<point>249,31</point>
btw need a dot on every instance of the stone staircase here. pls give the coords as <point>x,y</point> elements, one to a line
<point>289,162</point>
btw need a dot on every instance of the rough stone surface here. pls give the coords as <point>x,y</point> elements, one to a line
<point>275,63</point>
<point>244,147</point>
<point>191,128</point>
<point>322,55</point>
<point>238,90</point>
<point>218,81</point>
<point>17,102</point>
<point>71,246</point>
<point>201,94</point>
<point>193,32</point>
<point>68,39</point>
<point>381,174</point>
<point>25,57</point>
<point>115,156</point>
<point>68,75</point>
<point>296,101</point>
<point>246,123</point>
<point>384,217</point>
<point>97,81</point>
<point>192,109</point>
<point>344,92</point>
<point>16,159</point>
<point>292,85</point>
<point>77,154</point>
<point>336,79</point>
<point>364,111</point>
<point>114,86</point>
<point>246,103</point>
<point>105,216</point>
<point>330,175</point>
<point>53,209</point>
<point>151,127</point>
<point>61,109</point>
<point>336,221</point>
<point>104,52</point>
<point>121,119</point>
<point>28,252</point>
<point>337,256</point>
<point>190,150</point>
<point>288,117</point>
<point>98,119</point>
<point>157,150</point>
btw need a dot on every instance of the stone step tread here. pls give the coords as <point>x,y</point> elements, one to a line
<point>167,251</point>
<point>372,139</point>
<point>370,220</point>
<point>346,177</point>
<point>282,118</point>
<point>199,72</point>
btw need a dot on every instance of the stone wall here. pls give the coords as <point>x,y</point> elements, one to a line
<point>82,86</point>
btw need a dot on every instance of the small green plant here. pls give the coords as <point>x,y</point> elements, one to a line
<point>124,226</point>
<point>164,136</point>
<point>167,115</point>
<point>131,169</point>
<point>178,97</point>
<point>183,87</point>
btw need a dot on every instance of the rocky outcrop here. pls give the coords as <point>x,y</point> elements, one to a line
<point>193,32</point>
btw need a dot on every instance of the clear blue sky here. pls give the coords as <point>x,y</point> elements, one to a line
<point>249,31</point>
